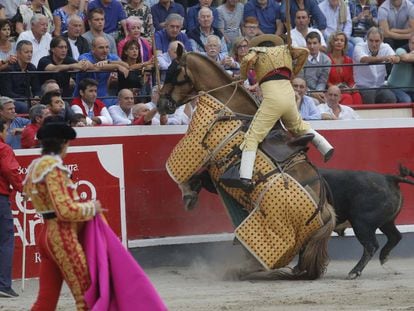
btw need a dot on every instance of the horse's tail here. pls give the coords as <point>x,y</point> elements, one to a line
<point>314,256</point>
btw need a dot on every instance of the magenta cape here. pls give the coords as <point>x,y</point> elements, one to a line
<point>118,283</point>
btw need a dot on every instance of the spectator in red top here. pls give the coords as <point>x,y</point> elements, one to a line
<point>36,114</point>
<point>143,115</point>
<point>92,108</point>
<point>9,176</point>
<point>343,77</point>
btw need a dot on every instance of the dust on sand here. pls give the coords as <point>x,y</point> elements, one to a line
<point>200,287</point>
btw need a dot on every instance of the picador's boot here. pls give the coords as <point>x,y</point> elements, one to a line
<point>324,147</point>
<point>242,179</point>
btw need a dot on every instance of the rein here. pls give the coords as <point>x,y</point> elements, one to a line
<point>201,93</point>
<point>188,80</point>
<point>221,112</point>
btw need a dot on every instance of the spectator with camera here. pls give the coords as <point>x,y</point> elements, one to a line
<point>364,16</point>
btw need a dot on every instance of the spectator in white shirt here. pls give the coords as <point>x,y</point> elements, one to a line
<point>122,112</point>
<point>370,52</point>
<point>338,18</point>
<point>333,108</point>
<point>298,34</point>
<point>165,59</point>
<point>226,62</point>
<point>177,118</point>
<point>38,36</point>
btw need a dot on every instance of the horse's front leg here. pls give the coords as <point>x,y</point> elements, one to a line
<point>189,193</point>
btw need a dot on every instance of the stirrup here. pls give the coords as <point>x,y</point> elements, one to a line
<point>231,179</point>
<point>301,141</point>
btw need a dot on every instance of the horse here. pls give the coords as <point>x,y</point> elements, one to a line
<point>279,218</point>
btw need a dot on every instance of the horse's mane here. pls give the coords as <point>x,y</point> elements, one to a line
<point>219,73</point>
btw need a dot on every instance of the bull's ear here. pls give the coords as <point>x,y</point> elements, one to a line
<point>180,51</point>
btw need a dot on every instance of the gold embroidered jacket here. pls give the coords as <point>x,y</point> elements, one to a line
<point>51,190</point>
<point>266,59</point>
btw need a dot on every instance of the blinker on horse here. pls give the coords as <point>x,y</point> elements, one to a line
<point>286,213</point>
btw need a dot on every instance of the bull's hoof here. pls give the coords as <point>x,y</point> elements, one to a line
<point>190,201</point>
<point>353,275</point>
<point>383,260</point>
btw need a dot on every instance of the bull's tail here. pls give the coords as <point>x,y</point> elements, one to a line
<point>404,172</point>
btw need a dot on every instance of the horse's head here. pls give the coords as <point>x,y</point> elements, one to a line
<point>178,85</point>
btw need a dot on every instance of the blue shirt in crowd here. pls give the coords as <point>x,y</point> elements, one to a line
<point>101,77</point>
<point>308,109</point>
<point>159,13</point>
<point>192,17</point>
<point>114,13</point>
<point>14,141</point>
<point>267,17</point>
<point>162,41</point>
<point>318,18</point>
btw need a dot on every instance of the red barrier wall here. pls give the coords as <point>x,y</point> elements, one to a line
<point>145,203</point>
<point>96,176</point>
<point>153,201</point>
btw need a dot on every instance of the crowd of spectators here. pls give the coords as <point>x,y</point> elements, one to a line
<point>95,59</point>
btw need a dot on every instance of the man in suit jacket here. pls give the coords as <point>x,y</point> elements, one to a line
<point>317,77</point>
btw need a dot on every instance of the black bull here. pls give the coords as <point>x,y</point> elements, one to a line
<point>366,200</point>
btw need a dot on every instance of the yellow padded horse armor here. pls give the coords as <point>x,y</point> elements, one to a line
<point>279,208</point>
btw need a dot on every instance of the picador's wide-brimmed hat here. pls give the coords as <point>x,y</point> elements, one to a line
<point>55,127</point>
<point>267,37</point>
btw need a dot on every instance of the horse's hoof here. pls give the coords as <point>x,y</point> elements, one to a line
<point>297,271</point>
<point>353,275</point>
<point>340,232</point>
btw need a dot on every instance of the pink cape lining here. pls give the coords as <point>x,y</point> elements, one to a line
<point>118,283</point>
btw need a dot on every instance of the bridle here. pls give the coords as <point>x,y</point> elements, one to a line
<point>172,80</point>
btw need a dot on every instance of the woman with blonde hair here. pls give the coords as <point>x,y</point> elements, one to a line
<point>240,50</point>
<point>342,76</point>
